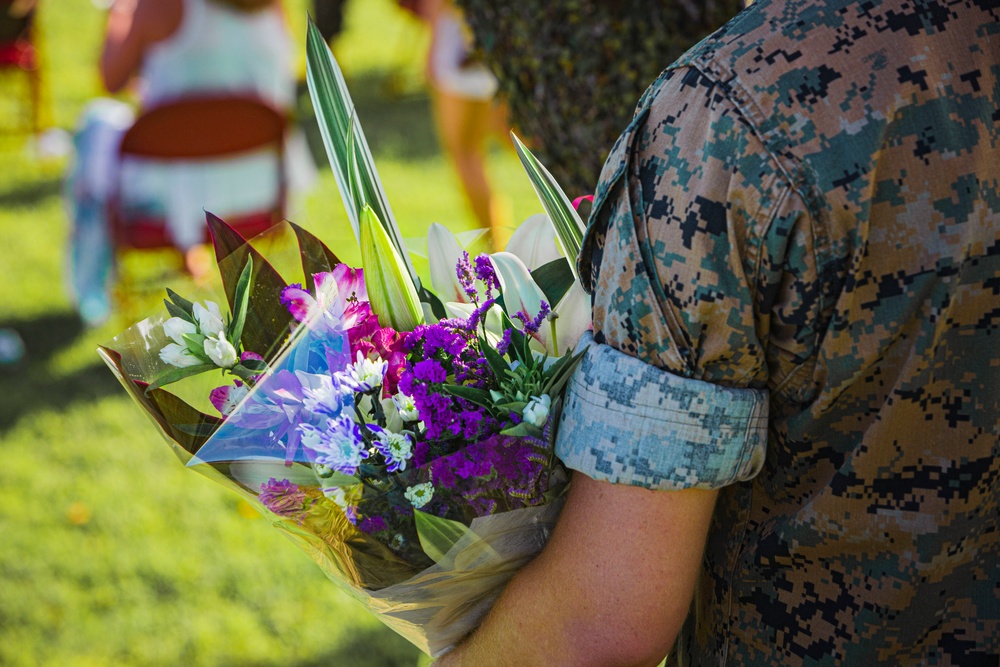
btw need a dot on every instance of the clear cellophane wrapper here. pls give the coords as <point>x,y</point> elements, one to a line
<point>432,604</point>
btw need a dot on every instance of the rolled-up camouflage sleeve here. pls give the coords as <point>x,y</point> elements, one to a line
<point>683,257</point>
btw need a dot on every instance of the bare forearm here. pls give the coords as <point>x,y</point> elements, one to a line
<point>612,587</point>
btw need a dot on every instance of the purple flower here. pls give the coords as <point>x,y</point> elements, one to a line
<point>283,498</point>
<point>372,524</point>
<point>486,272</point>
<point>531,325</point>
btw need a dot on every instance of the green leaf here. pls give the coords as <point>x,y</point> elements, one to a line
<point>255,365</point>
<point>522,430</point>
<point>497,363</point>
<point>195,344</point>
<point>241,301</point>
<point>478,396</point>
<point>177,311</point>
<point>267,322</point>
<point>316,257</point>
<point>345,143</point>
<point>554,278</point>
<point>340,479</point>
<point>179,374</point>
<point>437,535</point>
<point>183,304</point>
<point>568,225</point>
<point>167,411</point>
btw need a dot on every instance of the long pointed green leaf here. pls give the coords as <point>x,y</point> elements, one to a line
<point>316,257</point>
<point>554,278</point>
<point>176,374</point>
<point>345,141</point>
<point>568,225</point>
<point>267,321</point>
<point>240,303</point>
<point>437,535</point>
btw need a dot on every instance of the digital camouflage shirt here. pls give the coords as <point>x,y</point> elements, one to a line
<point>794,257</point>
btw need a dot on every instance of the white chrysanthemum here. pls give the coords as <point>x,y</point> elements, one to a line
<point>420,494</point>
<point>397,448</point>
<point>406,406</point>
<point>364,374</point>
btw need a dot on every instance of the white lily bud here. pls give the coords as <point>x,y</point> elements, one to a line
<point>392,294</point>
<point>209,318</point>
<point>176,328</point>
<point>221,351</point>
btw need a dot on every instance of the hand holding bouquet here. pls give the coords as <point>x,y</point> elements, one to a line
<point>404,439</point>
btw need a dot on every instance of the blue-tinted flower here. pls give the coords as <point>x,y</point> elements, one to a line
<point>322,394</point>
<point>397,448</point>
<point>338,444</point>
<point>419,495</point>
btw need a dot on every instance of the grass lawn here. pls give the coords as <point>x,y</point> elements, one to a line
<point>110,552</point>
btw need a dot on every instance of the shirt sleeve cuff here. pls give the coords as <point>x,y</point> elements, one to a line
<point>627,422</point>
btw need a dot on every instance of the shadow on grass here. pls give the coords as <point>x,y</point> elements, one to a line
<point>29,386</point>
<point>25,195</point>
<point>374,647</point>
<point>400,125</point>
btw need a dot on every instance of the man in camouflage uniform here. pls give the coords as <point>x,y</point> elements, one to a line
<point>794,258</point>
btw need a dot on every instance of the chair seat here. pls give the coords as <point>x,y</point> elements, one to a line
<point>17,54</point>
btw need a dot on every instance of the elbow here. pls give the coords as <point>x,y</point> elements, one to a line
<point>606,641</point>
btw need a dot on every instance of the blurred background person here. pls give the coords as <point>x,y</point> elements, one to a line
<point>164,50</point>
<point>570,71</point>
<point>467,113</point>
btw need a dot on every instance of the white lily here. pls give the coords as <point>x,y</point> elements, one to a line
<point>392,294</point>
<point>534,242</point>
<point>568,320</point>
<point>209,318</point>
<point>443,253</point>
<point>179,356</point>
<point>520,292</point>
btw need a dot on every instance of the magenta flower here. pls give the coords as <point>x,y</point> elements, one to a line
<point>225,399</point>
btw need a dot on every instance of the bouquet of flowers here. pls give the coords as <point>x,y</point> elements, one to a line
<point>402,437</point>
